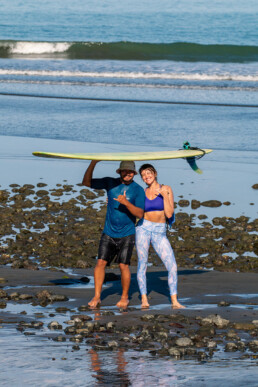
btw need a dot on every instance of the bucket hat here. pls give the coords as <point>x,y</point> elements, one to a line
<point>130,165</point>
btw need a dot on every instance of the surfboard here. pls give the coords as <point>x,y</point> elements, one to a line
<point>189,154</point>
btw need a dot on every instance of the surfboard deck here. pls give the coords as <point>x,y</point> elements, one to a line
<point>135,156</point>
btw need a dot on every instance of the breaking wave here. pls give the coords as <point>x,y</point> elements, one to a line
<point>185,52</point>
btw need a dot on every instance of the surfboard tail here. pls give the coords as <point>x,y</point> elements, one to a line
<point>192,162</point>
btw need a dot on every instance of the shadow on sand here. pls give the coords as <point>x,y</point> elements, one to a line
<point>156,282</point>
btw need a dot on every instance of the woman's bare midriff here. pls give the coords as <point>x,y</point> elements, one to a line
<point>155,216</point>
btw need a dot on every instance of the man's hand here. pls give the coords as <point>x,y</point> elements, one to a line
<point>135,211</point>
<point>88,174</point>
<point>122,199</point>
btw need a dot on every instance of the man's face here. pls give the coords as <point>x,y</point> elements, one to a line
<point>127,176</point>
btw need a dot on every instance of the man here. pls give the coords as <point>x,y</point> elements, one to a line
<point>125,204</point>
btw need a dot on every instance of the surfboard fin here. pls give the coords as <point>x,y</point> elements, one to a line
<point>192,162</point>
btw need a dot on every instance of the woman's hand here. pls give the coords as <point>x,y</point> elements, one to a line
<point>164,190</point>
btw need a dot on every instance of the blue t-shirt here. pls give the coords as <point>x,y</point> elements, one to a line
<point>119,221</point>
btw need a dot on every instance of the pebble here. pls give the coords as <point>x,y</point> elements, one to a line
<point>184,342</point>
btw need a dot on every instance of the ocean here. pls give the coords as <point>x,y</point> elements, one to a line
<point>107,76</point>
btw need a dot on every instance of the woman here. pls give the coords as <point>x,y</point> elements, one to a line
<point>159,206</point>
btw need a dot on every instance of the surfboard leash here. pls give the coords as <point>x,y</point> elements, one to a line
<point>187,146</point>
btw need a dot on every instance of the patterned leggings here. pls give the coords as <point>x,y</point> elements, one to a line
<point>155,233</point>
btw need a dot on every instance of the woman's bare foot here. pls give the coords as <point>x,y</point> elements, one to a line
<point>145,303</point>
<point>123,303</point>
<point>94,303</point>
<point>177,305</point>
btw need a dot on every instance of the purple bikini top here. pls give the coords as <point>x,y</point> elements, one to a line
<point>156,204</point>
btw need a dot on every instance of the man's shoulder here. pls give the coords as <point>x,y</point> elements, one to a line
<point>137,186</point>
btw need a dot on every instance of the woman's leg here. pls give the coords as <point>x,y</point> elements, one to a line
<point>142,239</point>
<point>165,252</point>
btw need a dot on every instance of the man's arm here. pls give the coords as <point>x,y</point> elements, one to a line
<point>88,174</point>
<point>135,211</point>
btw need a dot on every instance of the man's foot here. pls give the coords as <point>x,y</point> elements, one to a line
<point>123,303</point>
<point>94,303</point>
<point>177,305</point>
<point>145,303</point>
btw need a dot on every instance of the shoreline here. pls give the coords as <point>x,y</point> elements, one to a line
<point>51,232</point>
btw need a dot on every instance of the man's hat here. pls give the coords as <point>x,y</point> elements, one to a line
<point>130,165</point>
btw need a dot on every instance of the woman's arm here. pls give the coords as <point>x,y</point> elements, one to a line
<point>168,197</point>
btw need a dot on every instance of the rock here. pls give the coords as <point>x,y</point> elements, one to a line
<point>148,317</point>
<point>231,347</point>
<point>211,203</point>
<point>244,326</point>
<point>14,296</point>
<point>81,317</point>
<point>184,342</point>
<point>216,320</point>
<point>240,345</point>
<point>183,203</point>
<point>112,344</point>
<point>211,344</point>
<point>59,338</point>
<point>202,355</point>
<point>3,294</point>
<point>206,331</point>
<point>54,325</point>
<point>107,313</point>
<point>255,186</point>
<point>202,216</point>
<point>195,204</point>
<point>77,338</point>
<point>253,345</point>
<point>62,309</point>
<point>223,303</point>
<point>44,295</point>
<point>110,325</point>
<point>25,297</point>
<point>83,308</point>
<point>173,351</point>
<point>232,335</point>
<point>3,305</point>
<point>58,298</point>
<point>255,322</point>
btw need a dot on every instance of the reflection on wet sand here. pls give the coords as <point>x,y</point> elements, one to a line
<point>112,377</point>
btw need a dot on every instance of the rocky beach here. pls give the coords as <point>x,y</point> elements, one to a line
<point>49,242</point>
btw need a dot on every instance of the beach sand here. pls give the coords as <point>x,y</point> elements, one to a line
<point>26,318</point>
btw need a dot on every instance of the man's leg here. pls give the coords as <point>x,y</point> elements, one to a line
<point>125,281</point>
<point>99,276</point>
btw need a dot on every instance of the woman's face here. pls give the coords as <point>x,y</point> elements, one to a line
<point>148,176</point>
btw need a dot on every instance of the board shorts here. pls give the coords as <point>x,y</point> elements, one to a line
<point>121,248</point>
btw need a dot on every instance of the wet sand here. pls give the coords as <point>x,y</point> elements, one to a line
<point>134,335</point>
<point>195,288</point>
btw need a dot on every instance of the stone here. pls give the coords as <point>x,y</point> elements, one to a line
<point>54,325</point>
<point>216,320</point>
<point>223,303</point>
<point>231,347</point>
<point>184,342</point>
<point>112,344</point>
<point>211,203</point>
<point>173,351</point>
<point>211,344</point>
<point>244,326</point>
